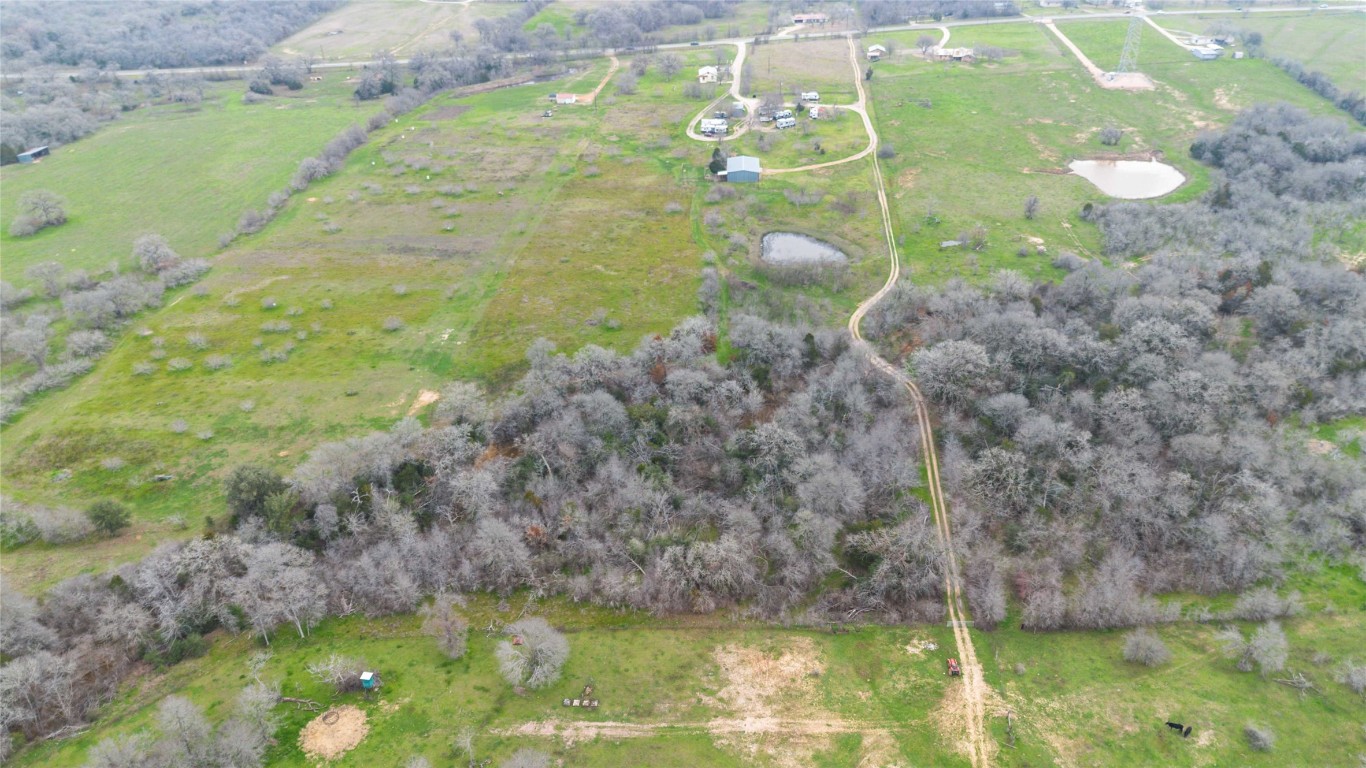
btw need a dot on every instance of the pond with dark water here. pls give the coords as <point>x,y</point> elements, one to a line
<point>790,249</point>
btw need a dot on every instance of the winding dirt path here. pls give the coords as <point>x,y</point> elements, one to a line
<point>975,688</point>
<point>861,107</point>
<point>733,94</point>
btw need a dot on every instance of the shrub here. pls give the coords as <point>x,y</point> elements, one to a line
<point>886,151</point>
<point>178,364</point>
<point>1143,647</point>
<point>527,758</point>
<point>1353,675</point>
<point>247,488</point>
<point>109,517</point>
<point>179,426</point>
<point>535,661</point>
<point>217,362</point>
<point>1263,604</point>
<point>1110,136</point>
<point>340,672</point>
<point>392,324</point>
<point>1260,739</point>
<point>38,210</point>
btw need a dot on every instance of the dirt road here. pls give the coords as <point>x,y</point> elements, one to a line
<point>975,689</point>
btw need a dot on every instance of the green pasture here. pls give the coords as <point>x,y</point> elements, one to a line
<point>185,172</point>
<point>974,141</point>
<point>1329,41</point>
<point>452,240</point>
<point>672,688</point>
<point>672,677</point>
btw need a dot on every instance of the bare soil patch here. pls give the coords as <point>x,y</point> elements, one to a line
<point>424,398</point>
<point>333,733</point>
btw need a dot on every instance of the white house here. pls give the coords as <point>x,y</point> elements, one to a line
<point>953,54</point>
<point>818,112</point>
<point>711,126</point>
<point>809,18</point>
<point>708,75</point>
<point>811,96</point>
<point>786,122</point>
<point>1207,52</point>
<point>876,52</point>
<point>566,98</point>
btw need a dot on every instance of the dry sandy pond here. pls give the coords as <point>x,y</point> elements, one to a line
<point>1129,179</point>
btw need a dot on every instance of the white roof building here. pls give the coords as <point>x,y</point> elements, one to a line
<point>708,75</point>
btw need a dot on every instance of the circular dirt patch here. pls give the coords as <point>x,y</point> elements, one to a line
<point>333,733</point>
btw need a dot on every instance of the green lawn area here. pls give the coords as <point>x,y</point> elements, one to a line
<point>184,172</point>
<point>1329,41</point>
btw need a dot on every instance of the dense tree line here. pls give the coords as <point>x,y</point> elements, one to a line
<point>137,34</point>
<point>1351,102</point>
<point>889,12</point>
<point>1283,183</point>
<point>660,480</point>
<point>53,110</point>
<point>1132,431</point>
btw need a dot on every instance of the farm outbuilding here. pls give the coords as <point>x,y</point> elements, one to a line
<point>876,52</point>
<point>566,98</point>
<point>742,168</point>
<point>33,154</point>
<point>1207,52</point>
<point>810,18</point>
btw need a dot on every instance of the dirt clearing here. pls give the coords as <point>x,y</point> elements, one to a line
<point>424,398</point>
<point>333,733</point>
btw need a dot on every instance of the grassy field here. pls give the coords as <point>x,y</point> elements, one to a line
<point>450,242</point>
<point>966,157</point>
<point>745,17</point>
<point>688,684</point>
<point>1329,41</point>
<point>360,29</point>
<point>815,65</point>
<point>676,690</point>
<point>184,172</point>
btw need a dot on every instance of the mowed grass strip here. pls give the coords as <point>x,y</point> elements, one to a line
<point>186,173</point>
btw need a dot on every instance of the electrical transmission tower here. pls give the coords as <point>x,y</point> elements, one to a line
<point>1128,60</point>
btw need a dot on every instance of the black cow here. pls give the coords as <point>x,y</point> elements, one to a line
<point>1184,730</point>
